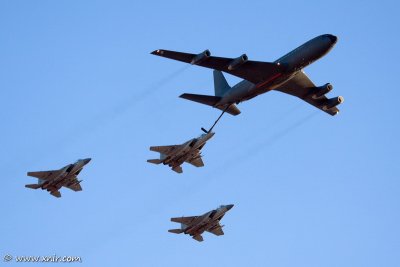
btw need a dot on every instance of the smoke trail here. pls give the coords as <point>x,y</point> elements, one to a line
<point>132,101</point>
<point>257,148</point>
<point>277,136</point>
<point>95,122</point>
<point>150,90</point>
<point>285,115</point>
<point>108,115</point>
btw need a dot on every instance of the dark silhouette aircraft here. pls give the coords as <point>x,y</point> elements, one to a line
<point>285,75</point>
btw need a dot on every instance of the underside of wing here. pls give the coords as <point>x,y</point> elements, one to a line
<point>166,150</point>
<point>217,231</point>
<point>197,162</point>
<point>56,193</point>
<point>177,169</point>
<point>184,220</point>
<point>44,175</point>
<point>253,71</point>
<point>75,186</point>
<point>198,238</point>
<point>302,87</point>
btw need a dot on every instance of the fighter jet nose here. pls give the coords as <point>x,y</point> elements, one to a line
<point>333,38</point>
<point>87,160</point>
<point>229,206</point>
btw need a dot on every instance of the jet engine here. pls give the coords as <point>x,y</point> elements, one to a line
<point>332,102</point>
<point>237,62</point>
<point>200,57</point>
<point>322,90</point>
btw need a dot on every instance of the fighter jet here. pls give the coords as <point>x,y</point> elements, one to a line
<point>196,225</point>
<point>285,75</point>
<point>190,152</point>
<point>52,181</point>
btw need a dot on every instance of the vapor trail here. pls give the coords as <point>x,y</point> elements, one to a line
<point>120,108</point>
<point>95,122</point>
<point>253,150</point>
<point>150,90</point>
<point>277,136</point>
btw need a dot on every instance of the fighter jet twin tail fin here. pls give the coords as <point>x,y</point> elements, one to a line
<point>176,231</point>
<point>39,182</point>
<point>33,186</point>
<point>180,231</point>
<point>221,86</point>
<point>155,161</point>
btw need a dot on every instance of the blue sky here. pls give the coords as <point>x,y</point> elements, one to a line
<point>77,80</point>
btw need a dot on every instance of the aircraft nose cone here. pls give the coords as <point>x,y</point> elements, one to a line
<point>87,160</point>
<point>333,38</point>
<point>229,206</point>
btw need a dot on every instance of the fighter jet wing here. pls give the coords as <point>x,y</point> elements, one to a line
<point>45,175</point>
<point>166,150</point>
<point>197,162</point>
<point>302,87</point>
<point>56,193</point>
<point>184,220</point>
<point>198,238</point>
<point>217,231</point>
<point>253,71</point>
<point>75,186</point>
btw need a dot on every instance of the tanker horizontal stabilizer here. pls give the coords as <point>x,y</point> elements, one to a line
<point>211,101</point>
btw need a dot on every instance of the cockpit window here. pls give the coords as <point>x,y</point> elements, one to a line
<point>192,143</point>
<point>69,168</point>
